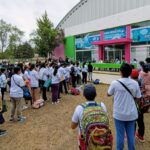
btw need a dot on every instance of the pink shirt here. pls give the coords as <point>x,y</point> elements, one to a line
<point>146,82</point>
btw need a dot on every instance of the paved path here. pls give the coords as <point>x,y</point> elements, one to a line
<point>105,78</point>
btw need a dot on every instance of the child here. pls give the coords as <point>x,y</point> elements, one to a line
<point>78,116</point>
<point>16,94</point>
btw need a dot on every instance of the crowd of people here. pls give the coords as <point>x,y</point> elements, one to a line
<point>60,76</point>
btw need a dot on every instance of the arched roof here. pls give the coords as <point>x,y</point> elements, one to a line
<point>88,10</point>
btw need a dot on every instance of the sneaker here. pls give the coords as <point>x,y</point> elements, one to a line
<point>11,119</point>
<point>3,133</point>
<point>21,119</point>
<point>25,107</point>
<point>140,138</point>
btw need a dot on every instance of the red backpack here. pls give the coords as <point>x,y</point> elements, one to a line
<point>74,91</point>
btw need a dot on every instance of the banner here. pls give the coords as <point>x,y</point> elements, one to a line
<point>85,43</point>
<point>114,34</point>
<point>141,34</point>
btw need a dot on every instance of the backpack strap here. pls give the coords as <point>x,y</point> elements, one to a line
<point>84,105</point>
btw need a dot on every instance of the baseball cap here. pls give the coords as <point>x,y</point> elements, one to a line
<point>134,73</point>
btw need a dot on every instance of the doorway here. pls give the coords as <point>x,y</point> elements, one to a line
<point>112,52</point>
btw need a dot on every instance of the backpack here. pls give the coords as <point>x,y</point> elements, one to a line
<point>72,73</point>
<point>95,128</point>
<point>97,81</point>
<point>74,91</point>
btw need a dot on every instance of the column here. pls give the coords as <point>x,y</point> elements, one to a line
<point>127,52</point>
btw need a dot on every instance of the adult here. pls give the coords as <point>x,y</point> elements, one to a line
<point>16,94</point>
<point>73,74</point>
<point>124,108</point>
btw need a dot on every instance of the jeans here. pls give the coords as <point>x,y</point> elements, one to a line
<point>84,77</point>
<point>121,128</point>
<point>90,76</point>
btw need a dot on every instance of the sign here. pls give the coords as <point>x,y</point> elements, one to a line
<point>85,43</point>
<point>114,34</point>
<point>141,34</point>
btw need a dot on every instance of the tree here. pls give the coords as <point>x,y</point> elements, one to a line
<point>45,36</point>
<point>24,51</point>
<point>10,36</point>
<point>4,33</point>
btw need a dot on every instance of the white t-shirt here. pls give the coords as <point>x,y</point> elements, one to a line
<point>78,114</point>
<point>124,107</point>
<point>16,83</point>
<point>3,81</point>
<point>55,79</point>
<point>34,76</point>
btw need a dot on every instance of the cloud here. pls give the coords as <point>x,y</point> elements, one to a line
<point>23,13</point>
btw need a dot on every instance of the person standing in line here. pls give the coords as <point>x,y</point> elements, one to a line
<point>16,95</point>
<point>148,63</point>
<point>144,77</point>
<point>125,112</point>
<point>78,74</point>
<point>56,77</point>
<point>90,71</point>
<point>84,73</point>
<point>34,76</point>
<point>43,77</point>
<point>61,71</point>
<point>3,82</point>
<point>2,132</point>
<point>73,74</point>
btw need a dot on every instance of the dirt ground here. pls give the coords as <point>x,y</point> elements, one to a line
<point>49,127</point>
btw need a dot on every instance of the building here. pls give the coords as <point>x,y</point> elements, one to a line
<point>107,29</point>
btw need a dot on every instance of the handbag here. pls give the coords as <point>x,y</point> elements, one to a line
<point>26,92</point>
<point>2,120</point>
<point>47,83</point>
<point>135,99</point>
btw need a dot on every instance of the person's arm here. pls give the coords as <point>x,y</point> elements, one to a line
<point>75,119</point>
<point>0,101</point>
<point>111,90</point>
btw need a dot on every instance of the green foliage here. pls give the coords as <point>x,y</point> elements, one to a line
<point>10,36</point>
<point>24,51</point>
<point>46,37</point>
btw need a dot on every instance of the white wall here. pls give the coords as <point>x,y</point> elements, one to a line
<point>129,17</point>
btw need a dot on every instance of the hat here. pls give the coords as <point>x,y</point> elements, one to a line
<point>134,73</point>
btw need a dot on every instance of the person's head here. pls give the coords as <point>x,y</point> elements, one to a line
<point>84,64</point>
<point>32,67</point>
<point>134,74</point>
<point>89,92</point>
<point>43,65</point>
<point>55,70</point>
<point>147,60</point>
<point>125,70</point>
<point>145,68</point>
<point>141,63</point>
<point>89,62</point>
<point>2,70</point>
<point>25,67</point>
<point>17,70</point>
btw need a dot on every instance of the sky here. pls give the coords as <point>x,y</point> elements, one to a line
<point>23,13</point>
